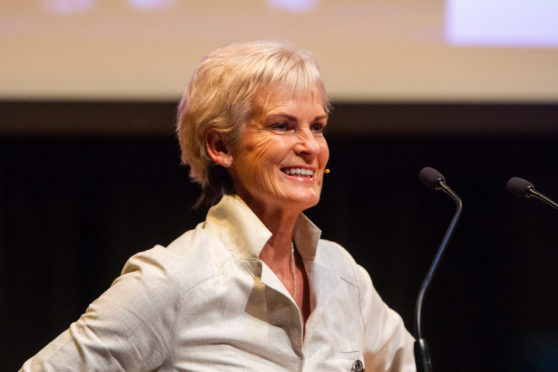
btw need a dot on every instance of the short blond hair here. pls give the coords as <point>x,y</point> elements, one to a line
<point>221,96</point>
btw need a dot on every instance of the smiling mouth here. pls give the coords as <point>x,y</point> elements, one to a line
<point>298,172</point>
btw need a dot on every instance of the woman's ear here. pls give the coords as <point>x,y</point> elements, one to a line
<point>217,148</point>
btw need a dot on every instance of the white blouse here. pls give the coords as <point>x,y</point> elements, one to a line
<point>208,303</point>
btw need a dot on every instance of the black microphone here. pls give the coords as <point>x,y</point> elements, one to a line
<point>436,181</point>
<point>525,189</point>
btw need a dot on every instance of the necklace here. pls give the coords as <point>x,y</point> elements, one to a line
<point>293,269</point>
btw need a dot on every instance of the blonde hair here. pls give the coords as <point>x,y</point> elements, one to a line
<point>221,96</point>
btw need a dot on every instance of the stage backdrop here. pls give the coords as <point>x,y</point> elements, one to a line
<point>432,50</point>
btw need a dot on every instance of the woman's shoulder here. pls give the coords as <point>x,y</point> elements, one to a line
<point>191,258</point>
<point>336,258</point>
<point>334,249</point>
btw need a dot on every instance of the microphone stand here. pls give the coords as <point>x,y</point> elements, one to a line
<point>422,353</point>
<point>532,193</point>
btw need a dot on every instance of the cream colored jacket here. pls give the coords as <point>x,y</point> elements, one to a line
<point>207,303</point>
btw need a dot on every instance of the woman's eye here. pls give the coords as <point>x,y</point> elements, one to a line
<point>317,127</point>
<point>280,126</point>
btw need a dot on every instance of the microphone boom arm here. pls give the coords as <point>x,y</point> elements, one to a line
<point>532,193</point>
<point>421,347</point>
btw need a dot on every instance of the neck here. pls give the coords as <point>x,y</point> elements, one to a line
<point>279,220</point>
<point>277,250</point>
<point>276,253</point>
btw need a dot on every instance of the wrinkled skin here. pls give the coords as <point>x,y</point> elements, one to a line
<point>283,135</point>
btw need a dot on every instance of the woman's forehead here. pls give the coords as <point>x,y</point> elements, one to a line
<point>267,100</point>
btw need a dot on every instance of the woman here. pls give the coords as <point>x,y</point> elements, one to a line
<point>253,287</point>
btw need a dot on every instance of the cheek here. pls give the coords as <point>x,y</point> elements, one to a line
<point>264,153</point>
<point>262,160</point>
<point>255,165</point>
<point>324,151</point>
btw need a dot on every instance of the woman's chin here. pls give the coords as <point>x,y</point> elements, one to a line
<point>301,202</point>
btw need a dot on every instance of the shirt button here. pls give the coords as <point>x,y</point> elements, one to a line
<point>357,366</point>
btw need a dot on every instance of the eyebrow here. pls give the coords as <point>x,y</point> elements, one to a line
<point>294,118</point>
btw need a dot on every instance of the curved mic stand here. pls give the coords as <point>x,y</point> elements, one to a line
<point>422,353</point>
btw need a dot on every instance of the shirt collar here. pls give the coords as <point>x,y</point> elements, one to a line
<point>246,235</point>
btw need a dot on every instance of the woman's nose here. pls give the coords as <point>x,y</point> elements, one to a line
<point>306,142</point>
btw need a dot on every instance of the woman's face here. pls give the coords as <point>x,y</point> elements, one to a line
<point>280,158</point>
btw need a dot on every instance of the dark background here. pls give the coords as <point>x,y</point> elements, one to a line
<point>84,185</point>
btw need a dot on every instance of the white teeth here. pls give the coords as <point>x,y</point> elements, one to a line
<point>299,172</point>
